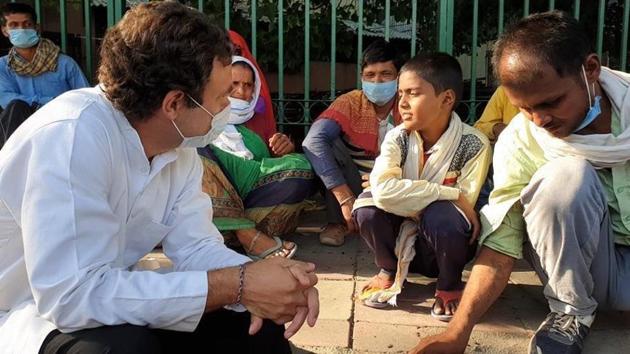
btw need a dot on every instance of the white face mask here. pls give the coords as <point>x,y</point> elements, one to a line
<point>219,122</point>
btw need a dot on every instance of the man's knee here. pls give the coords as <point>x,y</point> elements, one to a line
<point>365,216</point>
<point>124,339</point>
<point>562,185</point>
<point>442,218</point>
<point>17,104</point>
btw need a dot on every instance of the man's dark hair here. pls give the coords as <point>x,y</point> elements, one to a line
<point>552,37</point>
<point>441,70</point>
<point>380,51</point>
<point>17,8</point>
<point>158,47</point>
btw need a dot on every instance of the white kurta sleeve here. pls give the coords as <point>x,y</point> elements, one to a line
<point>73,240</point>
<point>195,243</point>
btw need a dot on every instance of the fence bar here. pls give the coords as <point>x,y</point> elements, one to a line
<point>254,22</point>
<point>525,8</point>
<point>501,15</point>
<point>110,14</point>
<point>414,20</point>
<point>119,9</point>
<point>450,26</point>
<point>38,10</point>
<point>89,52</point>
<point>445,26</point>
<point>200,5</point>
<point>388,9</point>
<point>307,59</point>
<point>552,5</point>
<point>624,36</point>
<point>576,9</point>
<point>333,47</point>
<point>63,25</point>
<point>359,43</point>
<point>280,117</point>
<point>473,63</point>
<point>226,16</point>
<point>600,27</point>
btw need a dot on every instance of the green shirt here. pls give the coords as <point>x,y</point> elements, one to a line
<point>503,227</point>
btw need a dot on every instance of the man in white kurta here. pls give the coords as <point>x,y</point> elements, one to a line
<point>82,200</point>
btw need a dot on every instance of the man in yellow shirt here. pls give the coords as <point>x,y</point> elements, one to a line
<point>497,115</point>
<point>562,186</point>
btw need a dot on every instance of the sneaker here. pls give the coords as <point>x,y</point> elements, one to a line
<point>560,334</point>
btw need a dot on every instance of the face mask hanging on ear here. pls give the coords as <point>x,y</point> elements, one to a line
<point>219,122</point>
<point>595,109</point>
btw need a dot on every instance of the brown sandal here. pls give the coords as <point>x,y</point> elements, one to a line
<point>333,235</point>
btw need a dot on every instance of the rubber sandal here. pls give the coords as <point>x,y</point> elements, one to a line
<point>371,292</point>
<point>333,235</point>
<point>447,297</point>
<point>277,250</point>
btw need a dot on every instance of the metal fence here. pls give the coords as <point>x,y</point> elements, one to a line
<point>477,21</point>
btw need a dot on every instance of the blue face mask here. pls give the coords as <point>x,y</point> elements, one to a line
<point>23,38</point>
<point>379,93</point>
<point>595,109</point>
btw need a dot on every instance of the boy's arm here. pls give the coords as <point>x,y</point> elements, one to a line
<point>474,173</point>
<point>395,194</point>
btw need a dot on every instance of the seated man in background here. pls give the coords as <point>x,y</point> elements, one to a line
<point>34,72</point>
<point>497,115</point>
<point>258,187</point>
<point>344,141</point>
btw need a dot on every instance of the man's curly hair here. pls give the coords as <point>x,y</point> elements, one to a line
<point>158,47</point>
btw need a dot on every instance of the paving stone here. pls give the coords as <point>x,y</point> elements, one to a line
<point>336,296</point>
<point>333,263</point>
<point>326,333</point>
<point>386,338</point>
<point>614,341</point>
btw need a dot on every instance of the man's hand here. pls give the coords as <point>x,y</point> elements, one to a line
<point>497,129</point>
<point>443,343</point>
<point>281,145</point>
<point>345,197</point>
<point>366,181</point>
<point>346,210</point>
<point>464,205</point>
<point>281,290</point>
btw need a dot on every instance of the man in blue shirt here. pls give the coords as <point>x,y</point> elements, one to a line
<point>34,72</point>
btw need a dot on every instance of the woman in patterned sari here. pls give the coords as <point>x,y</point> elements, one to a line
<point>257,187</point>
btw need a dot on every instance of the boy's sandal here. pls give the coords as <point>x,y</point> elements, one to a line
<point>447,297</point>
<point>277,250</point>
<point>371,292</point>
<point>333,235</point>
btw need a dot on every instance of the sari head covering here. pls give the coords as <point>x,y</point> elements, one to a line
<point>263,122</point>
<point>356,116</point>
<point>242,111</point>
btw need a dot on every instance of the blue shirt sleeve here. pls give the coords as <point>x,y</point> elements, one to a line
<point>318,148</point>
<point>74,75</point>
<point>9,89</point>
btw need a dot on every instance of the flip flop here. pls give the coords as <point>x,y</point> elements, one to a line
<point>277,250</point>
<point>447,297</point>
<point>371,292</point>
